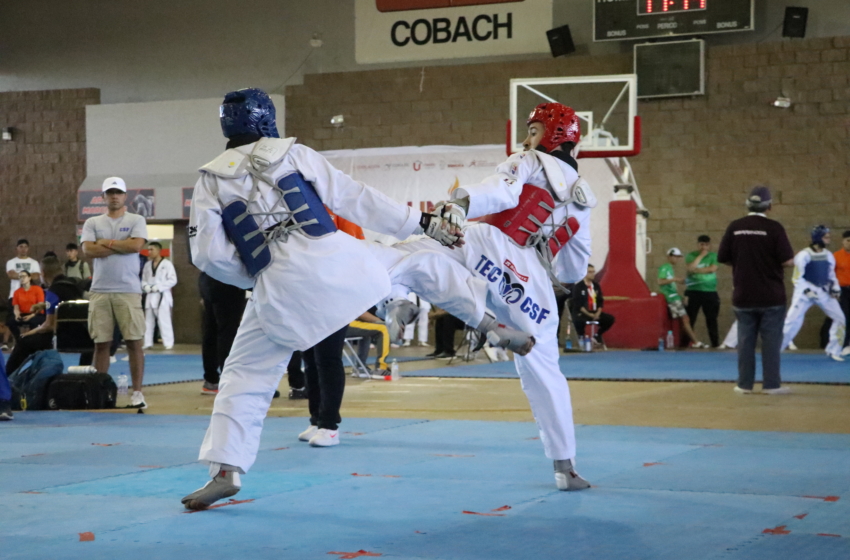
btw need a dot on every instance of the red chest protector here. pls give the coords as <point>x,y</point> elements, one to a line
<point>523,224</point>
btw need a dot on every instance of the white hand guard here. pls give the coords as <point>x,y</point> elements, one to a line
<point>147,288</point>
<point>445,224</point>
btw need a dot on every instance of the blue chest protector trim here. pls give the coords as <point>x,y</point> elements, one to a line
<point>307,208</point>
<point>817,271</point>
<point>245,234</point>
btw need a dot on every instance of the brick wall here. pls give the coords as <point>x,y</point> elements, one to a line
<point>701,155</point>
<point>41,169</point>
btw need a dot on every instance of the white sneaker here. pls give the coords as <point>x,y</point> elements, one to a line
<point>846,351</point>
<point>407,343</point>
<point>742,391</point>
<point>308,433</point>
<point>137,400</point>
<point>113,359</point>
<point>836,357</point>
<point>566,477</point>
<point>777,391</point>
<point>792,346</point>
<point>325,438</point>
<point>224,484</point>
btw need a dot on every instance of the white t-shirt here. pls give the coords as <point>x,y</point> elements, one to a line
<point>116,273</point>
<point>16,264</point>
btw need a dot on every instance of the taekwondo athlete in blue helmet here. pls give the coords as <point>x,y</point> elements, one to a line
<point>815,284</point>
<point>258,221</point>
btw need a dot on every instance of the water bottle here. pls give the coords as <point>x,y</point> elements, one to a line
<point>670,341</point>
<point>123,383</point>
<point>569,344</point>
<point>394,373</point>
<point>661,344</point>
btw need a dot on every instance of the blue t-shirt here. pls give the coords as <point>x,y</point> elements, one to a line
<point>52,301</point>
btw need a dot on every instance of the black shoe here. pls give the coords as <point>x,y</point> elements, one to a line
<point>433,354</point>
<point>6,410</point>
<point>445,355</point>
<point>296,394</point>
<point>276,394</point>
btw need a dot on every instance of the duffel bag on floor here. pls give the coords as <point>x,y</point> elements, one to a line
<point>81,391</point>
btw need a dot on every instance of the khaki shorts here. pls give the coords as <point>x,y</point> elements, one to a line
<point>677,308</point>
<point>106,309</point>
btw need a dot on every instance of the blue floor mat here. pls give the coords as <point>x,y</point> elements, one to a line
<point>98,486</point>
<point>661,366</point>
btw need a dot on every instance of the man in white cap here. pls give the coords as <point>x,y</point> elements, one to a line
<point>667,281</point>
<point>113,240</point>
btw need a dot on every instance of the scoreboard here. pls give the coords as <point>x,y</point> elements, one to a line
<point>617,20</point>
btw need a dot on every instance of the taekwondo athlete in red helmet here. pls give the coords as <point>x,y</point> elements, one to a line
<point>535,225</point>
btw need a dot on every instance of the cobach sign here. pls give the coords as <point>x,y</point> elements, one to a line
<point>404,30</point>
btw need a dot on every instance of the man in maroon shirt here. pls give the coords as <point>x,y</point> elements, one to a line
<point>758,250</point>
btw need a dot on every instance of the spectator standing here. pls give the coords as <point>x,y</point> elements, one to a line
<point>22,262</point>
<point>223,307</point>
<point>815,284</point>
<point>701,287</point>
<point>586,305</point>
<point>75,267</point>
<point>114,241</point>
<point>421,322</point>
<point>445,326</point>
<point>667,281</point>
<point>757,249</point>
<point>158,277</point>
<point>23,302</point>
<point>842,272</point>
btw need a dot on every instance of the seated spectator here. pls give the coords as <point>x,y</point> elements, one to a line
<point>41,338</point>
<point>371,330</point>
<point>586,305</point>
<point>5,393</point>
<point>445,326</point>
<point>23,301</point>
<point>667,281</point>
<point>75,267</point>
<point>22,262</point>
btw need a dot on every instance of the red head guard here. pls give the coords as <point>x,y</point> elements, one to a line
<point>561,124</point>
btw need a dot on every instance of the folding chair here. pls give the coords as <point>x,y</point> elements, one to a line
<point>473,342</point>
<point>349,354</point>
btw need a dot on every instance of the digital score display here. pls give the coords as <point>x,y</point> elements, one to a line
<point>669,6</point>
<point>618,20</point>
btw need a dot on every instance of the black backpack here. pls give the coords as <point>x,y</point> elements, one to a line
<point>82,391</point>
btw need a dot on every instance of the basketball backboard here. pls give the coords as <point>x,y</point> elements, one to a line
<point>606,107</point>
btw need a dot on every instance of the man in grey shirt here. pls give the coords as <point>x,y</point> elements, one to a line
<point>113,240</point>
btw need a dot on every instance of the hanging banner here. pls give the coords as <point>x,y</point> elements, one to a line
<point>405,30</point>
<point>139,201</point>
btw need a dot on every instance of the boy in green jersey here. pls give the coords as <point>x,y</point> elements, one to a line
<point>701,286</point>
<point>667,280</point>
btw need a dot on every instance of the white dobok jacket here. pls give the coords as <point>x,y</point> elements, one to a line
<point>164,280</point>
<point>313,287</point>
<point>502,190</point>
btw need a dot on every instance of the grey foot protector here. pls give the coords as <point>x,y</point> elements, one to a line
<point>566,477</point>
<point>400,313</point>
<point>223,485</point>
<point>505,337</point>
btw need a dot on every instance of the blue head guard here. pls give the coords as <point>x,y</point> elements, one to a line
<point>248,111</point>
<point>817,235</point>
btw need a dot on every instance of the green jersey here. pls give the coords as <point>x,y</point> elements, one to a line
<point>701,282</point>
<point>665,272</point>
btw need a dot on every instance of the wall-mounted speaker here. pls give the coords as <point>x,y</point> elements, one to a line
<point>671,69</point>
<point>560,41</point>
<point>795,22</point>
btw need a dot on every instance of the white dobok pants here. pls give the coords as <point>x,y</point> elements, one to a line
<point>805,296</point>
<point>252,373</point>
<point>520,294</point>
<point>158,311</point>
<point>731,340</point>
